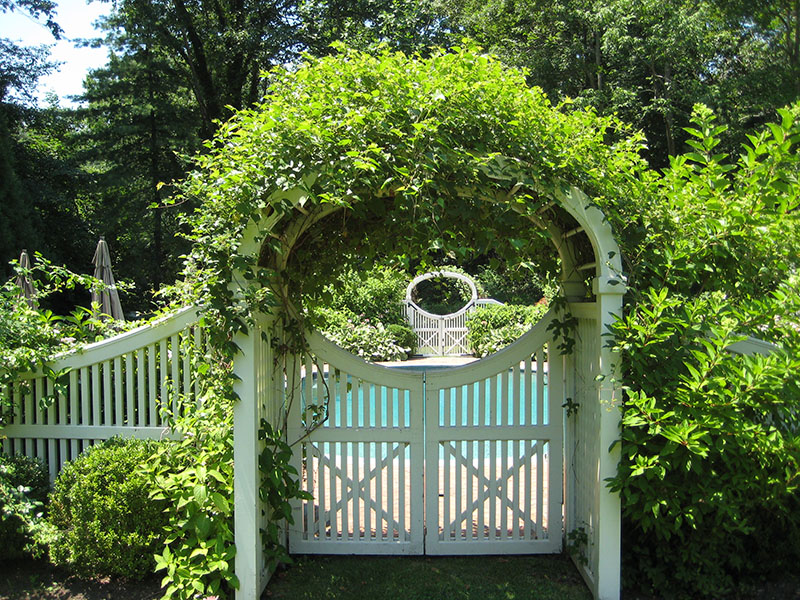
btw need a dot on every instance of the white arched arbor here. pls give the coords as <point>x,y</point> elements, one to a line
<point>593,288</point>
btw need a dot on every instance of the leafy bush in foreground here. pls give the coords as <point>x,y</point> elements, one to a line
<point>492,327</point>
<point>710,445</point>
<point>710,462</point>
<point>106,522</point>
<point>24,484</point>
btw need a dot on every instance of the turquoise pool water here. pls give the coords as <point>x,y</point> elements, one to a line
<point>364,404</point>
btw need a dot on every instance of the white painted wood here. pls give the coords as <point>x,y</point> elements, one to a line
<point>152,379</point>
<point>518,490</point>
<point>245,469</point>
<point>367,497</point>
<point>84,432</point>
<point>114,388</point>
<point>441,335</point>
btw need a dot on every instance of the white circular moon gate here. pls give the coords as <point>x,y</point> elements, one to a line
<point>441,335</point>
<point>346,464</point>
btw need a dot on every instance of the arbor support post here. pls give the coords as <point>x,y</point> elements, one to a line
<point>609,522</point>
<point>247,505</point>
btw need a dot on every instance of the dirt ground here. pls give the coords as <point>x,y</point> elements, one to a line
<point>38,580</point>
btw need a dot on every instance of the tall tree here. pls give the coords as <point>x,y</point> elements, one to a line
<point>648,61</point>
<point>20,69</point>
<point>219,47</point>
<point>407,25</point>
<point>139,120</point>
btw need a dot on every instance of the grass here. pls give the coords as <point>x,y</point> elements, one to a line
<point>428,578</point>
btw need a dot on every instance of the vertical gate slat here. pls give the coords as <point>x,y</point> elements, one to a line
<point>118,412</point>
<point>18,416</point>
<point>516,447</point>
<point>459,477</point>
<point>40,415</point>
<point>337,488</point>
<point>107,411</point>
<point>529,532</point>
<point>539,489</point>
<point>96,404</point>
<point>52,458</point>
<point>152,399</point>
<point>163,378</point>
<point>391,516</point>
<point>346,488</point>
<point>141,370</point>
<point>530,396</point>
<point>176,379</point>
<point>357,479</point>
<point>73,411</point>
<point>29,416</point>
<point>186,335</point>
<point>130,399</point>
<point>198,347</point>
<point>379,464</point>
<point>63,443</point>
<point>401,489</point>
<point>540,409</point>
<point>367,479</point>
<point>85,395</point>
<point>320,492</point>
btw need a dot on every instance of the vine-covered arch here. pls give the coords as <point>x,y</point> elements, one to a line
<point>365,156</point>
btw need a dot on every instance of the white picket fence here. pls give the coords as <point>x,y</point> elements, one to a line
<point>117,387</point>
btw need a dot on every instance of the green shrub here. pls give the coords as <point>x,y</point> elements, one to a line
<point>106,523</point>
<point>403,336</point>
<point>376,295</point>
<point>24,483</point>
<point>710,472</point>
<point>492,327</point>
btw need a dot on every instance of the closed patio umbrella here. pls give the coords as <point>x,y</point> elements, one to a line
<point>23,282</point>
<point>108,299</point>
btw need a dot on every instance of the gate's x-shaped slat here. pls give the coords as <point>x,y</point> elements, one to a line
<point>359,487</point>
<point>490,488</point>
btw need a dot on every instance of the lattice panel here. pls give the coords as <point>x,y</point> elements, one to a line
<point>493,491</point>
<point>361,492</point>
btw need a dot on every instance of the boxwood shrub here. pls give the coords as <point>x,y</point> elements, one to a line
<point>106,523</point>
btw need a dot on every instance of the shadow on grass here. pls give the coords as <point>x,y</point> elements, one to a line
<point>428,578</point>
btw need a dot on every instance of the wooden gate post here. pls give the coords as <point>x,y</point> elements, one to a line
<point>245,470</point>
<point>609,522</point>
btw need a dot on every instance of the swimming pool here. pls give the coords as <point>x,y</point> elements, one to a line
<point>356,403</point>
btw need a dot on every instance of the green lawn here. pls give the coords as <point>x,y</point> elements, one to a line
<point>428,578</point>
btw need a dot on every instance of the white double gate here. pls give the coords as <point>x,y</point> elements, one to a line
<point>465,460</point>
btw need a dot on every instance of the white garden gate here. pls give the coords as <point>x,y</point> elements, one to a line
<point>442,335</point>
<point>459,461</point>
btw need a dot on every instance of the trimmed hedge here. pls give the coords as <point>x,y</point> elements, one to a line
<point>105,521</point>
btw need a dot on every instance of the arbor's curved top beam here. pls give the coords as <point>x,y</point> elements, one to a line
<point>592,225</point>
